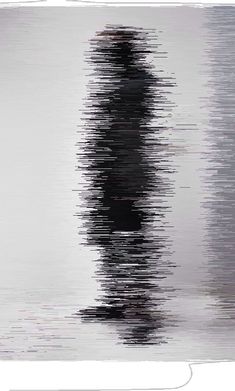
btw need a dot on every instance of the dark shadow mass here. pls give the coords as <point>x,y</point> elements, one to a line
<point>128,180</point>
<point>221,136</point>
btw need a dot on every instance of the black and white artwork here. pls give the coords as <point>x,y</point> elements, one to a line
<point>117,217</point>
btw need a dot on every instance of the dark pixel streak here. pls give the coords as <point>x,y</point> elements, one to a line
<point>125,197</point>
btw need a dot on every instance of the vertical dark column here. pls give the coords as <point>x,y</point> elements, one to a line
<point>220,176</point>
<point>124,172</point>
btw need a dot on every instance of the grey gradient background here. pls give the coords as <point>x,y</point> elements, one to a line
<point>46,274</point>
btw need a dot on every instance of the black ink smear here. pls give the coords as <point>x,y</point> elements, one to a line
<point>125,206</point>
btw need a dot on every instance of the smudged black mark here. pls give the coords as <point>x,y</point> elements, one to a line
<point>125,198</point>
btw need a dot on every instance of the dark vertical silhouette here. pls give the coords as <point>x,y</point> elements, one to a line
<point>124,173</point>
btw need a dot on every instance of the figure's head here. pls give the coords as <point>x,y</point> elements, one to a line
<point>121,45</point>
